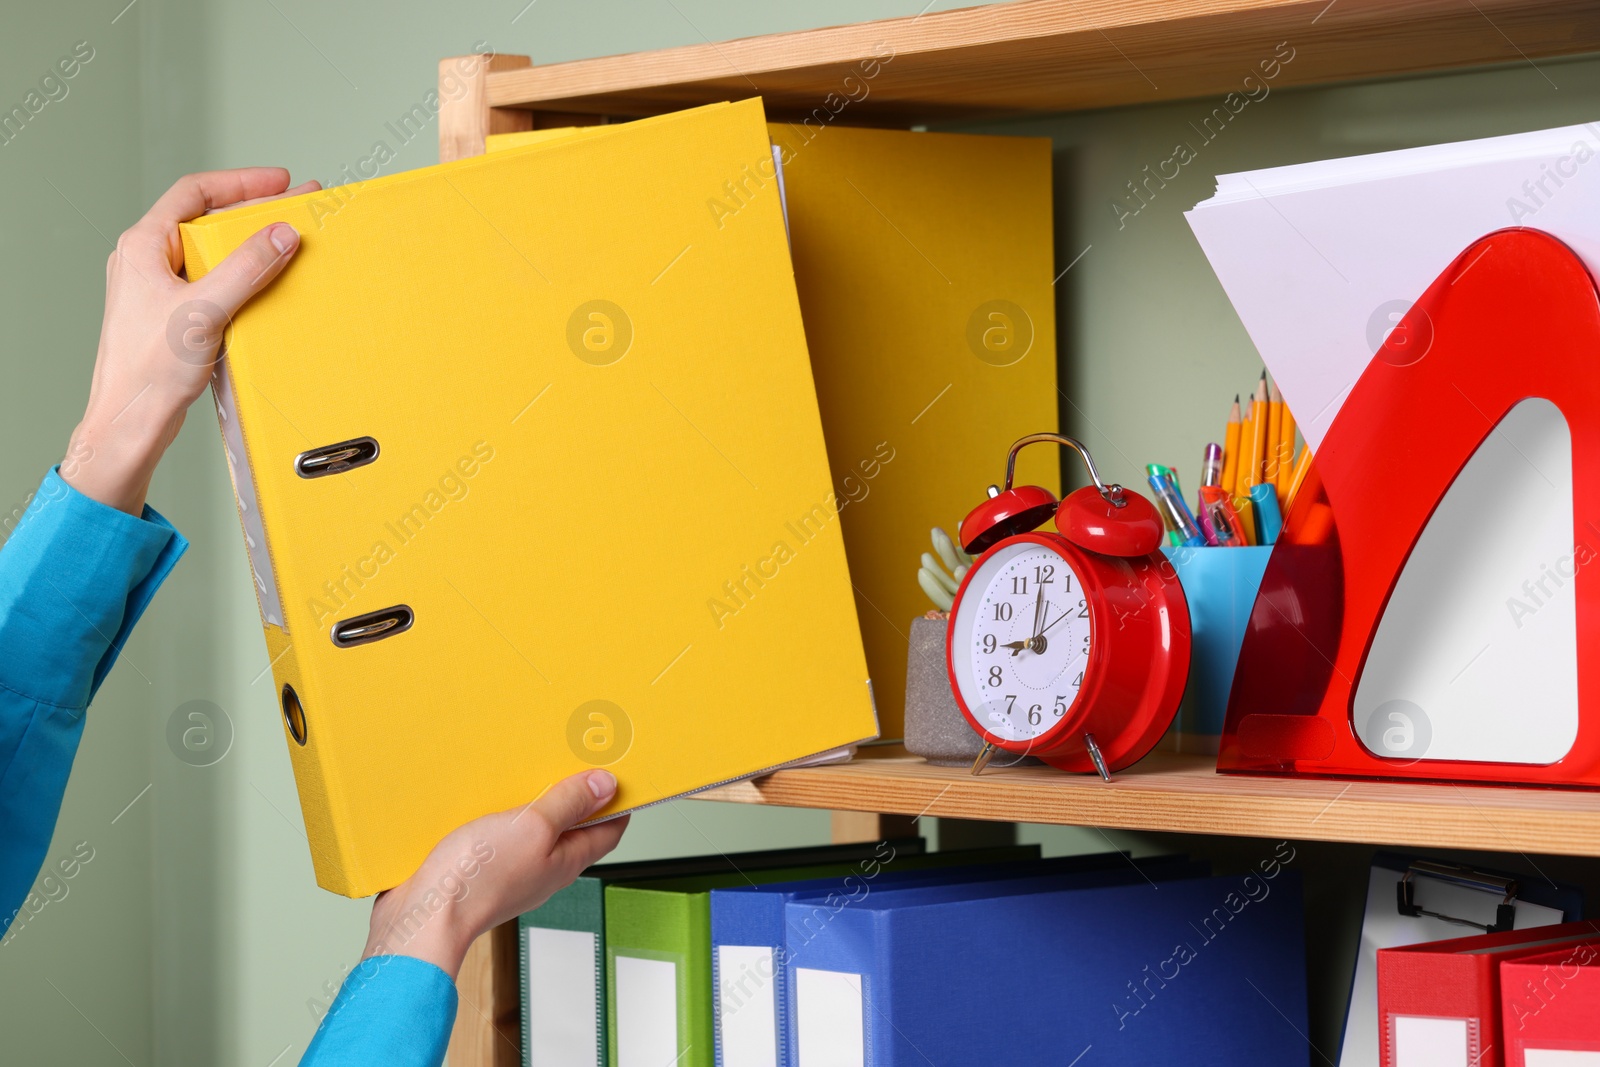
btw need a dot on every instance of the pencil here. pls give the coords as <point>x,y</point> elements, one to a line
<point>1286,462</point>
<point>1297,479</point>
<point>1255,448</point>
<point>1269,454</point>
<point>1230,448</point>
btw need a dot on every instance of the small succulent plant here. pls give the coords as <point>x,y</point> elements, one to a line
<point>940,576</point>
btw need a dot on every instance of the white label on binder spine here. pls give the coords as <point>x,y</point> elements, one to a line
<point>244,493</point>
<point>747,1015</point>
<point>829,1028</point>
<point>562,998</point>
<point>1421,1041</point>
<point>1560,1057</point>
<point>647,1012</point>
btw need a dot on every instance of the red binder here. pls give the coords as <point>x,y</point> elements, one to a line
<point>1515,316</point>
<point>1551,1008</point>
<point>1446,995</point>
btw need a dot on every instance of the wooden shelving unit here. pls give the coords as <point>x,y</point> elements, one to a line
<point>1016,59</point>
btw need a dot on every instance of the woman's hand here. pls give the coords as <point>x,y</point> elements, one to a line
<point>160,334</point>
<point>494,869</point>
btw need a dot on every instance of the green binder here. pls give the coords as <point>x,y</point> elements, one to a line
<point>561,946</point>
<point>658,951</point>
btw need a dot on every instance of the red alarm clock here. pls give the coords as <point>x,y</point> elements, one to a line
<point>1072,647</point>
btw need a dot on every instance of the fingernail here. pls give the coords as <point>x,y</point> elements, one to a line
<point>283,237</point>
<point>602,784</point>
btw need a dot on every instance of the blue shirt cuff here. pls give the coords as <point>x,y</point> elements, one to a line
<point>80,574</point>
<point>393,1010</point>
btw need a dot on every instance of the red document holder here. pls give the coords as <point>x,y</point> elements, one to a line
<point>1514,317</point>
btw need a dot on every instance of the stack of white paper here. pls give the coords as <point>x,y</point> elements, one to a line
<point>1322,259</point>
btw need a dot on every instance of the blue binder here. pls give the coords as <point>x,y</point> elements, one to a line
<point>747,940</point>
<point>754,937</point>
<point>1207,972</point>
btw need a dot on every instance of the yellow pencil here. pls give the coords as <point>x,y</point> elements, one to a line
<point>1245,508</point>
<point>1230,448</point>
<point>1302,465</point>
<point>1256,451</point>
<point>1247,440</point>
<point>1269,454</point>
<point>1286,460</point>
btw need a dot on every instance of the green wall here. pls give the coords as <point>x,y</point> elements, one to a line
<point>196,935</point>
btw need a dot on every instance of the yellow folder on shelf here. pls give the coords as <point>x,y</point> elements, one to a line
<point>532,477</point>
<point>925,265</point>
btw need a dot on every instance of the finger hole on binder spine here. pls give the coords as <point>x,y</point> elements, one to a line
<point>336,458</point>
<point>294,716</point>
<point>373,626</point>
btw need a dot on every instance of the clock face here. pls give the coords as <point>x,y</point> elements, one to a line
<point>1021,641</point>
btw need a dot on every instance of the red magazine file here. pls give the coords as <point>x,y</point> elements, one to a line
<point>1550,1008</point>
<point>1514,316</point>
<point>1447,994</point>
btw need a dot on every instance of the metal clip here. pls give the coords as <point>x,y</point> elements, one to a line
<point>1506,888</point>
<point>336,459</point>
<point>373,626</point>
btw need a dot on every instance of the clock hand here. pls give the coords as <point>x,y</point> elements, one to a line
<point>1015,646</point>
<point>1038,610</point>
<point>1063,615</point>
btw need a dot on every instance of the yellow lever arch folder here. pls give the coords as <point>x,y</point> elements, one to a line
<point>531,474</point>
<point>925,268</point>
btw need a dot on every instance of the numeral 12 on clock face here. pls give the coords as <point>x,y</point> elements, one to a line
<point>1030,641</point>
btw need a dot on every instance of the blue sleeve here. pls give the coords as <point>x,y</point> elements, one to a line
<point>75,576</point>
<point>393,1010</point>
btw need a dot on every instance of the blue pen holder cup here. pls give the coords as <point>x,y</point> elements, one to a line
<point>1220,585</point>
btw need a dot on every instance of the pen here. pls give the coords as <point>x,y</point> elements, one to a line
<point>1218,510</point>
<point>1182,518</point>
<point>1211,469</point>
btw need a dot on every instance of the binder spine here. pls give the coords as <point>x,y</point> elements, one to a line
<point>332,862</point>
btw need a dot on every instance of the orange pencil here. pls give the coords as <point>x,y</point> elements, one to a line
<point>1269,454</point>
<point>1255,447</point>
<point>1230,448</point>
<point>1286,461</point>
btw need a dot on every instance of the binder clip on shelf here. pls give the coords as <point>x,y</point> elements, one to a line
<point>1505,915</point>
<point>1071,646</point>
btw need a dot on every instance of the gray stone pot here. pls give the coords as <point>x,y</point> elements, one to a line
<point>935,727</point>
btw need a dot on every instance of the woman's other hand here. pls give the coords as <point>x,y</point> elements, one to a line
<point>159,338</point>
<point>494,869</point>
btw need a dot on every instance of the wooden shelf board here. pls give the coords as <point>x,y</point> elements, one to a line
<point>1184,794</point>
<point>1056,55</point>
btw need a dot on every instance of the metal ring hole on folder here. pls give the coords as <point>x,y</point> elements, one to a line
<point>294,716</point>
<point>337,458</point>
<point>373,626</point>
